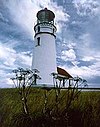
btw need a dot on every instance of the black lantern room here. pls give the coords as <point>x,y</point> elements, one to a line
<point>45,15</point>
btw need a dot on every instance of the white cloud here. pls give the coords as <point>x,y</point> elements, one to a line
<point>5,80</point>
<point>84,71</point>
<point>23,13</point>
<point>84,53</point>
<point>7,55</point>
<point>68,55</point>
<point>83,45</point>
<point>71,45</point>
<point>96,67</point>
<point>88,58</point>
<point>87,7</point>
<point>10,60</point>
<point>24,59</point>
<point>87,47</point>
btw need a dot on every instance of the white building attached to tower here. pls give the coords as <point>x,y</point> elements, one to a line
<point>44,53</point>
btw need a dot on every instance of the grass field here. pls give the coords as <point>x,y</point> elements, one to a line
<point>83,112</point>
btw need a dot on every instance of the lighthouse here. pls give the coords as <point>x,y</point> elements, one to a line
<point>44,52</point>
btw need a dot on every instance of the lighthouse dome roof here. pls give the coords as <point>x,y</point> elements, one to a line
<point>45,15</point>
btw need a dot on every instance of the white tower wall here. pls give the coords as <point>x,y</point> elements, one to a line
<point>44,53</point>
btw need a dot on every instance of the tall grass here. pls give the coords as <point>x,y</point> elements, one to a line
<point>84,110</point>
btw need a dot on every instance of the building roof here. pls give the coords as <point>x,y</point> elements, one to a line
<point>63,72</point>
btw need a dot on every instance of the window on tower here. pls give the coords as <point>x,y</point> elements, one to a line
<point>38,28</point>
<point>38,41</point>
<point>53,30</point>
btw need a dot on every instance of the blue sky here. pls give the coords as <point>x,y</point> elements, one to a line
<point>77,43</point>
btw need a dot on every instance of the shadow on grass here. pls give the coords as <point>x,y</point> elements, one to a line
<point>22,120</point>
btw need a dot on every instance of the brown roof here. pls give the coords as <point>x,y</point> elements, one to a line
<point>63,72</point>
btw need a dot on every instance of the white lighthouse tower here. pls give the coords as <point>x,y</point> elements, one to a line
<point>44,53</point>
